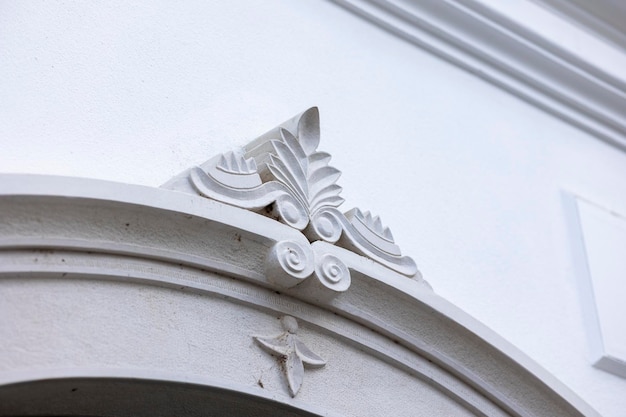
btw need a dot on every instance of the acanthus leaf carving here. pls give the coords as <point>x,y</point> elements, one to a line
<point>282,173</point>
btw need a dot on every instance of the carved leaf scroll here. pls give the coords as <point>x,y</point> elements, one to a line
<point>282,174</point>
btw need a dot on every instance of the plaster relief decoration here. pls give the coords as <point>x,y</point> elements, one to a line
<point>291,352</point>
<point>282,175</point>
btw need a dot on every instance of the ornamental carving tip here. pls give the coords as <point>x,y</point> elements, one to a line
<point>282,174</point>
<point>292,353</point>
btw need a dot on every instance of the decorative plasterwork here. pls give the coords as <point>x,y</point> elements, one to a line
<point>575,80</point>
<point>91,247</point>
<point>283,176</point>
<point>291,352</point>
<point>598,237</point>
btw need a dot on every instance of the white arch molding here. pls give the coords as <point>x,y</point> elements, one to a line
<point>239,287</point>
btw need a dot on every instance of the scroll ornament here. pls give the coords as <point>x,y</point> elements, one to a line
<point>282,175</point>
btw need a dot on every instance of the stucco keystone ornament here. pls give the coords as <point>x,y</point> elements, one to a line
<point>292,353</point>
<point>283,176</point>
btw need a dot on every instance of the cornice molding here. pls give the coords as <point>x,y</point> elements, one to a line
<point>605,21</point>
<point>509,55</point>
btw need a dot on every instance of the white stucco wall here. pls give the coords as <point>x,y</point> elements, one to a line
<point>468,177</point>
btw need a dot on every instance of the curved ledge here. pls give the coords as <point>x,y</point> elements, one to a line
<point>63,230</point>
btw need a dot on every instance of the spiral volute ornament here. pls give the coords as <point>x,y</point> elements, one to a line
<point>288,263</point>
<point>325,225</point>
<point>291,212</point>
<point>332,273</point>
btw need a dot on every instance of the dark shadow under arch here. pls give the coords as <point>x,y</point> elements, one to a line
<point>122,397</point>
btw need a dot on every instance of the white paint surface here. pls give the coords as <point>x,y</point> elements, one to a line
<point>604,240</point>
<point>467,176</point>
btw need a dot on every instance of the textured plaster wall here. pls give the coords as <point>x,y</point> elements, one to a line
<point>468,177</point>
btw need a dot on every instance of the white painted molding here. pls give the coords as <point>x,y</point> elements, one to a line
<point>98,275</point>
<point>603,17</point>
<point>598,241</point>
<point>514,56</point>
<point>283,176</point>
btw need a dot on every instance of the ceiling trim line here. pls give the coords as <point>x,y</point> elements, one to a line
<point>510,56</point>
